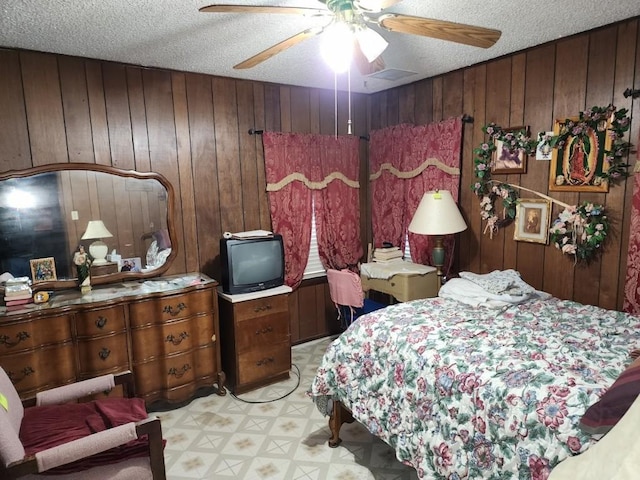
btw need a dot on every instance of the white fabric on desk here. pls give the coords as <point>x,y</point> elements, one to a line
<point>389,269</point>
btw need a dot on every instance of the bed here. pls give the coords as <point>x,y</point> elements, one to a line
<point>471,388</point>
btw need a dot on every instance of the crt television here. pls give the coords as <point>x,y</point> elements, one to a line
<point>251,264</point>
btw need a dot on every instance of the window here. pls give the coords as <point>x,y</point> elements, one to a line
<point>314,266</point>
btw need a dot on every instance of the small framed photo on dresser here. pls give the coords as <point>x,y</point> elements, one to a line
<point>43,269</point>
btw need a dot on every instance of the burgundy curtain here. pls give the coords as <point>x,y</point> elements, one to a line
<point>407,161</point>
<point>387,149</point>
<point>337,202</point>
<point>631,302</point>
<point>302,167</point>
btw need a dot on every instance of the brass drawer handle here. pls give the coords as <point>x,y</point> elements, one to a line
<point>262,308</point>
<point>173,312</point>
<point>101,322</point>
<point>178,373</point>
<point>268,329</point>
<point>176,340</point>
<point>26,371</point>
<point>265,361</point>
<point>21,336</point>
<point>104,353</point>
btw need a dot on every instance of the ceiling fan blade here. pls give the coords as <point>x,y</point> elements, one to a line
<point>441,29</point>
<point>362,63</point>
<point>263,9</point>
<point>277,48</point>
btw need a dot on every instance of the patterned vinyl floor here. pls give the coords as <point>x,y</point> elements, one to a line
<point>257,437</point>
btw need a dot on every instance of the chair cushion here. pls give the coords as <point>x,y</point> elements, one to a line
<point>51,425</point>
<point>11,449</point>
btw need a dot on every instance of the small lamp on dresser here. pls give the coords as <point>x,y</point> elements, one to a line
<point>437,215</point>
<point>96,230</point>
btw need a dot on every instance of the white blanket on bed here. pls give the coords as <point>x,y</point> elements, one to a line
<point>472,293</point>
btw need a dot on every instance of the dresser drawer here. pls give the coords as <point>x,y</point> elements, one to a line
<point>33,334</point>
<point>265,330</point>
<point>172,337</point>
<point>103,354</point>
<point>175,370</point>
<point>252,309</point>
<point>260,364</point>
<point>160,310</point>
<point>101,321</point>
<point>42,369</point>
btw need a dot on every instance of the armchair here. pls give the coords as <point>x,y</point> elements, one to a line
<point>99,439</point>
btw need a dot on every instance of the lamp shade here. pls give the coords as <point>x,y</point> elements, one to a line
<point>96,229</point>
<point>98,249</point>
<point>437,214</point>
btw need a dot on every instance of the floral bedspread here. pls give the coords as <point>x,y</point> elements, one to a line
<point>477,393</point>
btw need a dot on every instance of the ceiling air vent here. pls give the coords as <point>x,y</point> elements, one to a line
<point>392,74</point>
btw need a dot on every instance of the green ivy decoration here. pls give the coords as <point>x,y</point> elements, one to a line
<point>596,119</point>
<point>489,190</point>
<point>580,231</point>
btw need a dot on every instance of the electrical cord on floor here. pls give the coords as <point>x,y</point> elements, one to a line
<point>296,372</point>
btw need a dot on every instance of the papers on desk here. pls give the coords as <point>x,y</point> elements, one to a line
<point>389,269</point>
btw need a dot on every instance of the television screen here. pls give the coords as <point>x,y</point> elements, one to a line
<point>252,264</point>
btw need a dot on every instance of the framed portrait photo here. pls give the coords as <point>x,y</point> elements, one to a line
<point>532,220</point>
<point>577,164</point>
<point>507,161</point>
<point>43,269</point>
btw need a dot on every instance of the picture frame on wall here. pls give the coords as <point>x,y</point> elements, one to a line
<point>577,163</point>
<point>533,216</point>
<point>43,269</point>
<point>506,162</point>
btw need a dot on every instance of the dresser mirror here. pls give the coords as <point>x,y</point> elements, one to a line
<point>47,213</point>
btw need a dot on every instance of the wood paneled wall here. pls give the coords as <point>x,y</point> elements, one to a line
<point>533,88</point>
<point>193,129</point>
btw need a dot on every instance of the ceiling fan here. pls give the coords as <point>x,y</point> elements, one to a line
<point>357,15</point>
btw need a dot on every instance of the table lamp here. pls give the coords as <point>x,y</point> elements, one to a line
<point>437,215</point>
<point>98,249</point>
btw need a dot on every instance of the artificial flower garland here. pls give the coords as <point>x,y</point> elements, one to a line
<point>580,230</point>
<point>489,190</point>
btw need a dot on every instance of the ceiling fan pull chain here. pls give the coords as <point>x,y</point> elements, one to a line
<point>349,101</point>
<point>335,103</point>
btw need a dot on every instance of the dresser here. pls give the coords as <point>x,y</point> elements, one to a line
<point>165,330</point>
<point>256,343</point>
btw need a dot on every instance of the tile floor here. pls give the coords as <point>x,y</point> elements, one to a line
<point>257,437</point>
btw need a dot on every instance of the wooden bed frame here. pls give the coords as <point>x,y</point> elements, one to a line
<point>339,416</point>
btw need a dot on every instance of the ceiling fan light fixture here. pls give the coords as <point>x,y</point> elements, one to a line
<point>371,43</point>
<point>337,46</point>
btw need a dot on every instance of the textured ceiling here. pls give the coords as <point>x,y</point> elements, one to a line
<point>172,34</point>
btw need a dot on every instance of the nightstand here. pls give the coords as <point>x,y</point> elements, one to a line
<point>403,280</point>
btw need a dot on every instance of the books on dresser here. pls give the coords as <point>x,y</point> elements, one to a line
<point>17,292</point>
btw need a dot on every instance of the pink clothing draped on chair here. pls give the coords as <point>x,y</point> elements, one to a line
<point>631,302</point>
<point>406,161</point>
<point>305,168</point>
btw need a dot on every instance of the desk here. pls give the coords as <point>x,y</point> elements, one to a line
<point>404,280</point>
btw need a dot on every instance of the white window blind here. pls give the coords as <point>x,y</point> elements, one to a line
<point>314,266</point>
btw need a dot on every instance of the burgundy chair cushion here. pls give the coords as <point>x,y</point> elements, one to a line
<point>614,403</point>
<point>51,425</point>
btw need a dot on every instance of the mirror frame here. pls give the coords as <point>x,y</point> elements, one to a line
<point>113,277</point>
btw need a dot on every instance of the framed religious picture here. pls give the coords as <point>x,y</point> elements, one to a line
<point>506,159</point>
<point>578,159</point>
<point>43,269</point>
<point>532,220</point>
